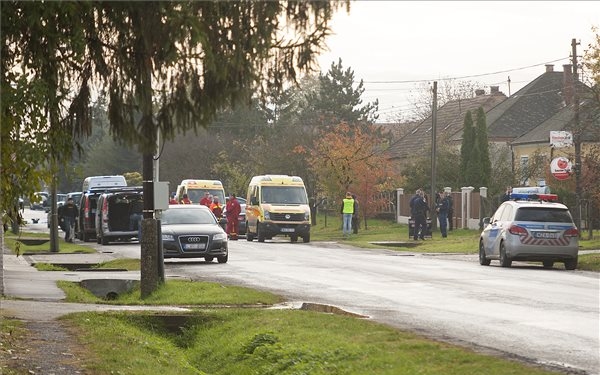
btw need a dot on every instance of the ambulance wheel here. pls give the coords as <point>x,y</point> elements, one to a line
<point>294,238</point>
<point>259,234</point>
<point>306,239</point>
<point>548,264</point>
<point>249,236</point>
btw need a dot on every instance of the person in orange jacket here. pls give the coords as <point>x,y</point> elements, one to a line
<point>216,208</point>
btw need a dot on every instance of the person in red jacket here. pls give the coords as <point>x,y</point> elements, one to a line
<point>206,200</point>
<point>185,199</point>
<point>232,211</point>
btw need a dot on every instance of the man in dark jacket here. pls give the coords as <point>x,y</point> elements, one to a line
<point>442,208</point>
<point>68,212</point>
<point>419,209</point>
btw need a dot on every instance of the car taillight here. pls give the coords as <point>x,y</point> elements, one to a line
<point>517,230</point>
<point>86,210</point>
<point>572,232</point>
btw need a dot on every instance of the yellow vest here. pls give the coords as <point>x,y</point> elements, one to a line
<point>348,206</point>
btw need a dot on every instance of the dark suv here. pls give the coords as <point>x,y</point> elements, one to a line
<point>118,214</point>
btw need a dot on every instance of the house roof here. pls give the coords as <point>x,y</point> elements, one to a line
<point>563,120</point>
<point>450,120</point>
<point>529,107</point>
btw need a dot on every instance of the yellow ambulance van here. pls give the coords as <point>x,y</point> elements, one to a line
<point>195,190</point>
<point>277,205</point>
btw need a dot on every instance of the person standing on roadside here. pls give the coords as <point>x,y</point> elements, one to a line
<point>172,199</point>
<point>419,209</point>
<point>185,199</point>
<point>216,208</point>
<point>232,211</point>
<point>69,213</point>
<point>347,211</point>
<point>206,199</point>
<point>442,208</point>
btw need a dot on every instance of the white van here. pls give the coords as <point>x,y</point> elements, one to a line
<point>99,182</point>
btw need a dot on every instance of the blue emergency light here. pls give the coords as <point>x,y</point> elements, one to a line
<point>534,197</point>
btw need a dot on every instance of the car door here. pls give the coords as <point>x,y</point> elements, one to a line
<point>491,233</point>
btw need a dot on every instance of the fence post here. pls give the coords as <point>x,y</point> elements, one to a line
<point>482,198</point>
<point>399,194</point>
<point>466,205</point>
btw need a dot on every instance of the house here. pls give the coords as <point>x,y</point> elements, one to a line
<point>523,123</point>
<point>450,120</point>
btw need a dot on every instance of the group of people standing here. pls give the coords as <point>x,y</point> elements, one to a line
<point>419,209</point>
<point>232,210</point>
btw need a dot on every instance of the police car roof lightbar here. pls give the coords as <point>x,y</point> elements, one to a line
<point>530,197</point>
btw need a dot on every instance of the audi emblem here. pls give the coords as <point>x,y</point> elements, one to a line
<point>287,216</point>
<point>194,239</point>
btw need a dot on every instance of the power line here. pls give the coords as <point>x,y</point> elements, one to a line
<point>470,76</point>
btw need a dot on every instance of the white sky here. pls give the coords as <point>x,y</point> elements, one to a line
<point>386,41</point>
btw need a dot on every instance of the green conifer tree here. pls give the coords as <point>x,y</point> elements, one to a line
<point>483,149</point>
<point>466,148</point>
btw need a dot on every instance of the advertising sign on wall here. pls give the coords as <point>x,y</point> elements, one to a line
<point>559,139</point>
<point>561,168</point>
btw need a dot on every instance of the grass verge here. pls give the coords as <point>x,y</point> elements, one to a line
<point>242,341</point>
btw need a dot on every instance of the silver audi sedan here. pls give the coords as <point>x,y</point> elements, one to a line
<point>192,231</point>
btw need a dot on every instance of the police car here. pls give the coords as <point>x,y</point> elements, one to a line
<point>530,227</point>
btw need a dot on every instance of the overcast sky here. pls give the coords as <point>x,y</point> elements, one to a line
<point>385,42</point>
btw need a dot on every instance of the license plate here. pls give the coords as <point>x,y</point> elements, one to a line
<point>287,230</point>
<point>549,235</point>
<point>194,246</point>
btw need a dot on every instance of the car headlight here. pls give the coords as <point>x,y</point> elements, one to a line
<point>220,237</point>
<point>267,215</point>
<point>306,215</point>
<point>168,237</point>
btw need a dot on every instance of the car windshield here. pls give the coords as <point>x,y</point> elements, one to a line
<point>541,214</point>
<point>187,216</point>
<point>284,195</point>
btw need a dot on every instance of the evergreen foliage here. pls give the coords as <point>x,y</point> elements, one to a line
<point>466,148</point>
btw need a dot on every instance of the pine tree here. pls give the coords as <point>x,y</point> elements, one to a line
<point>466,148</point>
<point>483,149</point>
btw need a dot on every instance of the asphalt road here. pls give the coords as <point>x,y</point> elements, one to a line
<point>551,317</point>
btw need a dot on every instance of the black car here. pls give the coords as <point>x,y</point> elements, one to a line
<point>193,231</point>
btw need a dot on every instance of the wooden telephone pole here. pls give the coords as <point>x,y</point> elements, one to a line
<point>576,137</point>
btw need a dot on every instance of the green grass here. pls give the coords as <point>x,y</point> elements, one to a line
<point>251,341</point>
<point>589,262</point>
<point>177,293</point>
<point>128,264</point>
<point>11,240</point>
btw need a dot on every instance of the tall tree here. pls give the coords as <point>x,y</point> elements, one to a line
<point>485,165</point>
<point>466,149</point>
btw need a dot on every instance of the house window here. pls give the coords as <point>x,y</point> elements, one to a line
<point>524,169</point>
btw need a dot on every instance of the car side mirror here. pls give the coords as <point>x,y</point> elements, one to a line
<point>486,221</point>
<point>254,201</point>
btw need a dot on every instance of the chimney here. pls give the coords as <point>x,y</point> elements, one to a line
<point>568,87</point>
<point>549,68</point>
<point>479,92</point>
<point>494,90</point>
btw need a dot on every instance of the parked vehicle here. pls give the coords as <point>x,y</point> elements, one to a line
<point>277,205</point>
<point>195,190</point>
<point>39,200</point>
<point>530,227</point>
<point>192,231</point>
<point>93,187</point>
<point>118,214</point>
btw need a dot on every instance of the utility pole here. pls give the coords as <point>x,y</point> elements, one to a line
<point>576,137</point>
<point>433,156</point>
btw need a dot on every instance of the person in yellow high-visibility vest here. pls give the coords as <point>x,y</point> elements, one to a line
<point>347,212</point>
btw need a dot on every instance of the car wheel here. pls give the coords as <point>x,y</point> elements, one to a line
<point>548,263</point>
<point>306,239</point>
<point>223,259</point>
<point>98,239</point>
<point>571,264</point>
<point>84,237</point>
<point>259,234</point>
<point>294,238</point>
<point>505,261</point>
<point>208,259</point>
<point>483,260</point>
<point>104,240</point>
